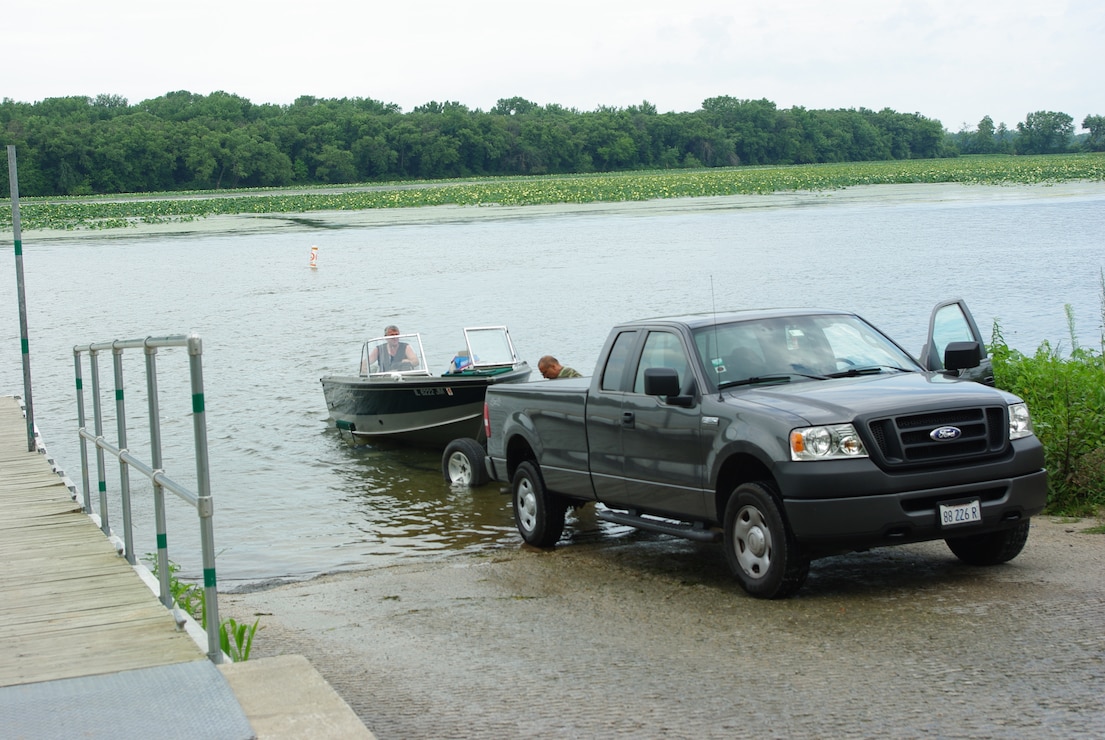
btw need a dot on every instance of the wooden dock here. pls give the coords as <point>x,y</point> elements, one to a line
<point>72,606</point>
<point>88,650</point>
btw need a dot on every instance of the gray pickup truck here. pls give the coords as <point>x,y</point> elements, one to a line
<point>787,435</point>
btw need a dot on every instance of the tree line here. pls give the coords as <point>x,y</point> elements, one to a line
<point>185,141</point>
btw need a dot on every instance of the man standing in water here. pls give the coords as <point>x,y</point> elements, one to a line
<point>551,368</point>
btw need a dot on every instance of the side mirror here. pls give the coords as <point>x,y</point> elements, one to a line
<point>664,381</point>
<point>661,381</point>
<point>962,356</point>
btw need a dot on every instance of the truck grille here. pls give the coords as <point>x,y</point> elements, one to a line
<point>908,440</point>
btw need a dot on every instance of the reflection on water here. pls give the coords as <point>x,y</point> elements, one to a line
<point>293,500</point>
<point>405,503</point>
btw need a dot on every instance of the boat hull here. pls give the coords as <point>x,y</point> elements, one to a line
<point>419,410</point>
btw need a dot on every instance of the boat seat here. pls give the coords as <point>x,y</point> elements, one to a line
<point>459,362</point>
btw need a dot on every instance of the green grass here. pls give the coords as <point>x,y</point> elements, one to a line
<point>99,212</point>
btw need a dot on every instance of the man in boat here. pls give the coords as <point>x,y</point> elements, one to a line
<point>393,355</point>
<point>551,368</point>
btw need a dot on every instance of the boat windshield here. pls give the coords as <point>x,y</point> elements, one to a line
<point>398,354</point>
<point>489,346</point>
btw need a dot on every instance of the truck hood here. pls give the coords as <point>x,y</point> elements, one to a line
<point>842,399</point>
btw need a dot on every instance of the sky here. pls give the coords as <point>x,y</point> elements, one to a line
<point>950,60</point>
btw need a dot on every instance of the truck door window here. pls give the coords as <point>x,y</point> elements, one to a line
<point>662,349</point>
<point>949,325</point>
<point>614,372</point>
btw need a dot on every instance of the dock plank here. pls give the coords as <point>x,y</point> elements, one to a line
<point>71,605</point>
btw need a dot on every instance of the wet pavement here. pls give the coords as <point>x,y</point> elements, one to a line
<point>632,634</point>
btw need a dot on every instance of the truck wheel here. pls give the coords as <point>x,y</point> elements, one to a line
<point>992,548</point>
<point>462,463</point>
<point>538,513</point>
<point>760,549</point>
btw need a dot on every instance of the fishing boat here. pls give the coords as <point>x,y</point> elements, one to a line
<point>396,397</point>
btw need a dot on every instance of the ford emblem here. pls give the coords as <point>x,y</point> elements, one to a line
<point>943,434</point>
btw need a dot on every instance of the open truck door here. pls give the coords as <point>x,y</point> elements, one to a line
<point>952,327</point>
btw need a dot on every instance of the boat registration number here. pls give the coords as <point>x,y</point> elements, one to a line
<point>968,512</point>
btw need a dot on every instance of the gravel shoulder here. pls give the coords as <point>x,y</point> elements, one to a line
<point>643,635</point>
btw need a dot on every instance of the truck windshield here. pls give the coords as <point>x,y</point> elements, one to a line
<point>812,347</point>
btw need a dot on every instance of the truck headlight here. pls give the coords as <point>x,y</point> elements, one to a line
<point>1020,423</point>
<point>826,443</point>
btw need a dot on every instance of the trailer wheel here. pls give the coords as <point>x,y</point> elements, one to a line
<point>462,463</point>
<point>992,548</point>
<point>759,546</point>
<point>538,513</point>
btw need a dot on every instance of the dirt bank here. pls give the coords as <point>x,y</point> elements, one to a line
<point>642,635</point>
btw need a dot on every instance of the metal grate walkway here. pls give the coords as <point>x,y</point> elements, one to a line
<point>190,701</point>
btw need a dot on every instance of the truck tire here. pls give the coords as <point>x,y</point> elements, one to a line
<point>759,546</point>
<point>462,463</point>
<point>538,513</point>
<point>992,548</point>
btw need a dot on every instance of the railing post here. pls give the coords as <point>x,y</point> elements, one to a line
<point>205,507</point>
<point>163,574</point>
<point>80,428</point>
<point>24,341</point>
<point>98,428</point>
<point>124,469</point>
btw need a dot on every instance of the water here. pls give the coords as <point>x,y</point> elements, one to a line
<point>293,500</point>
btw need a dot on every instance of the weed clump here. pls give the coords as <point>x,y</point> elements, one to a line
<point>1066,397</point>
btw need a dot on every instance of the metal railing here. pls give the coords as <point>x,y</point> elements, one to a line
<point>200,500</point>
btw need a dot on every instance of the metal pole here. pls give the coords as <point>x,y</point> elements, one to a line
<point>124,469</point>
<point>17,233</point>
<point>158,490</point>
<point>206,506</point>
<point>98,426</point>
<point>80,427</point>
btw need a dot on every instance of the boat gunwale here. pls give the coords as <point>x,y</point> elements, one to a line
<point>383,381</point>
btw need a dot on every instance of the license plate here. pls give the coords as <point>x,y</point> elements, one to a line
<point>966,513</point>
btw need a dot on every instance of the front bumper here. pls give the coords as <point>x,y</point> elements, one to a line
<point>856,522</point>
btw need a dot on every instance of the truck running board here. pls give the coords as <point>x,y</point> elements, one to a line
<point>696,532</point>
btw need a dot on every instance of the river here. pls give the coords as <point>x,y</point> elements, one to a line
<point>293,500</point>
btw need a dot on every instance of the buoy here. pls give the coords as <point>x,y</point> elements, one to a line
<point>314,257</point>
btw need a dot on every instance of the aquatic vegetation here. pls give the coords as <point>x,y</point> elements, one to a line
<point>121,212</point>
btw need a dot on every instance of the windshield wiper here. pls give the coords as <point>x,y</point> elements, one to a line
<point>774,378</point>
<point>866,370</point>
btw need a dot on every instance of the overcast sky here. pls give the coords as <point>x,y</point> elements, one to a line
<point>952,60</point>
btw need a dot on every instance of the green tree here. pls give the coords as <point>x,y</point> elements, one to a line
<point>1095,142</point>
<point>197,156</point>
<point>373,157</point>
<point>985,143</point>
<point>183,140</point>
<point>335,165</point>
<point>513,107</point>
<point>63,156</point>
<point>1044,132</point>
<point>405,140</point>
